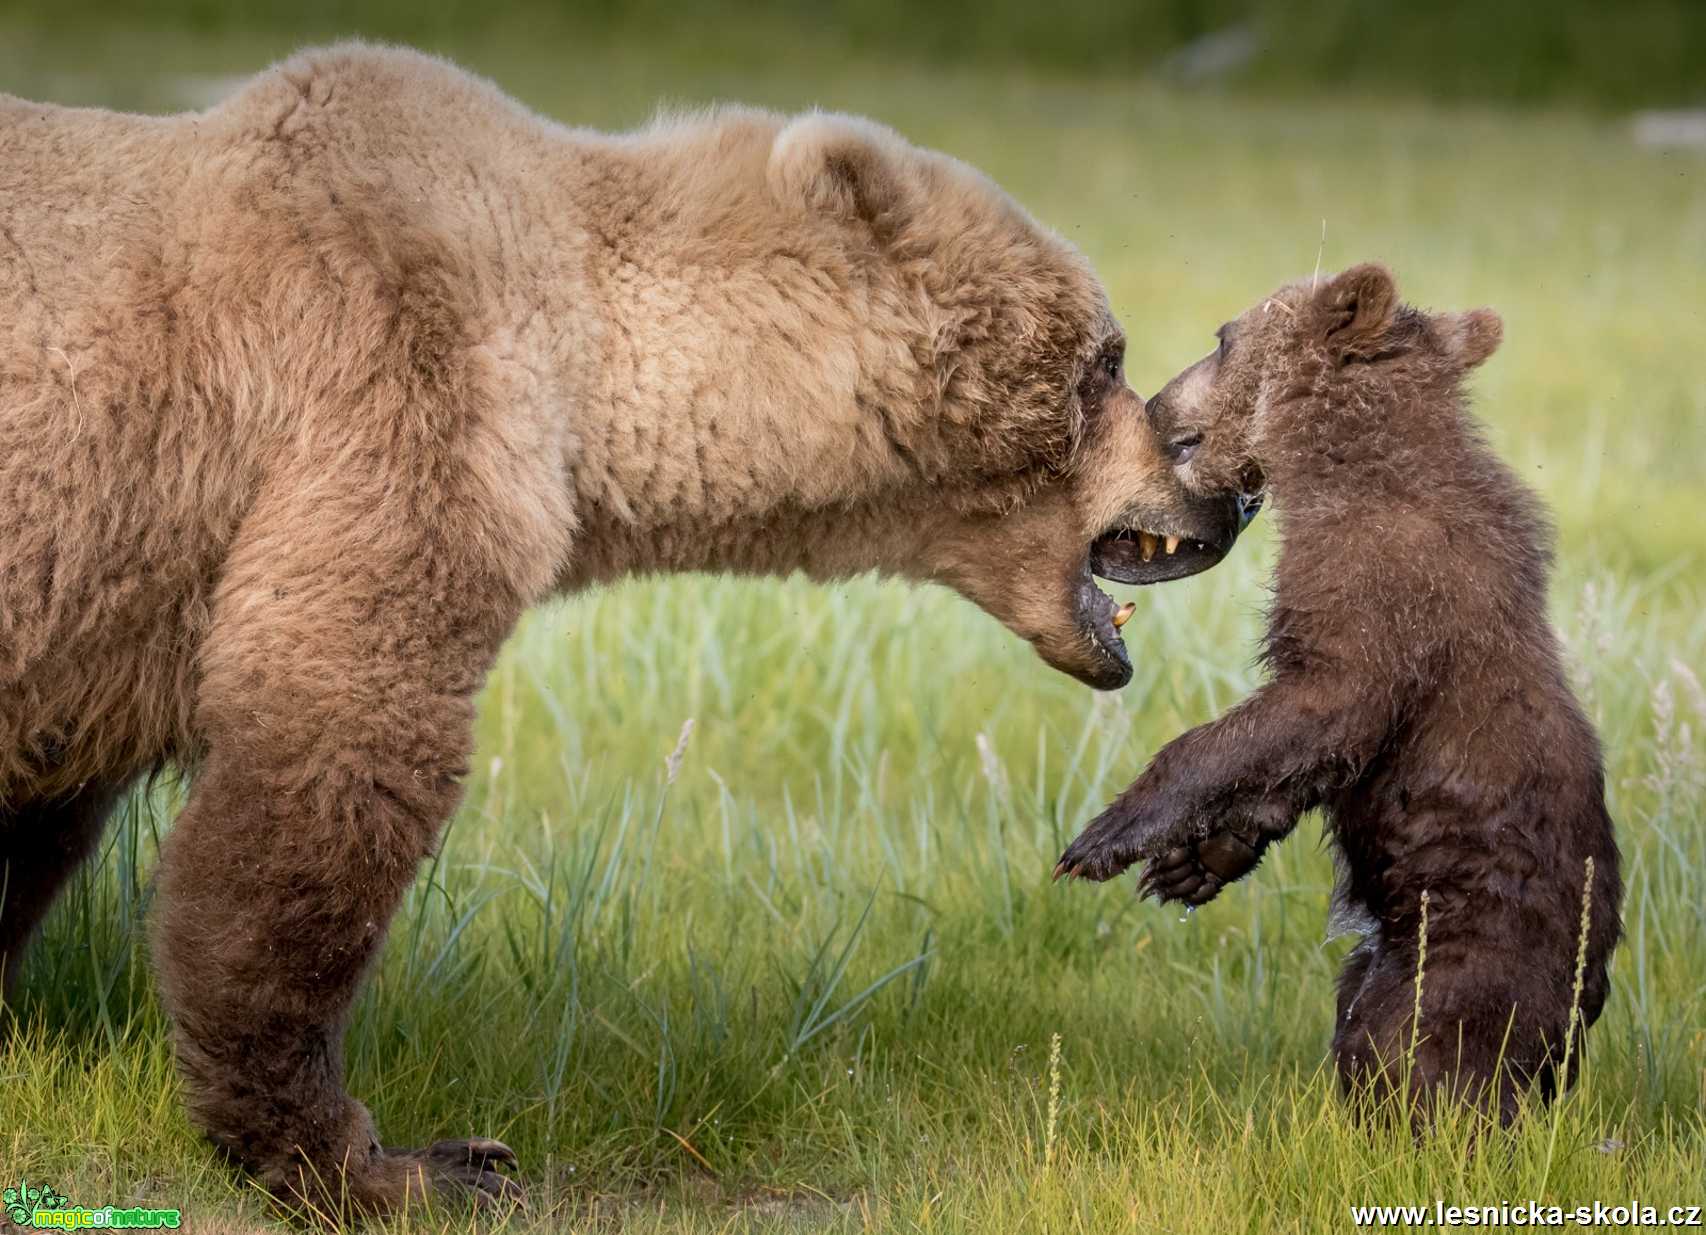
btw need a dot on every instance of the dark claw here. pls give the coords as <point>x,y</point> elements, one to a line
<point>470,1167</point>
<point>481,1151</point>
<point>1108,844</point>
<point>1071,872</point>
<point>501,1189</point>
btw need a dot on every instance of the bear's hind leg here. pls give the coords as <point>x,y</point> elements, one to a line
<point>1484,1035</point>
<point>41,847</point>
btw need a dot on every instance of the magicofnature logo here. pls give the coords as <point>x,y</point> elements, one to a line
<point>44,1209</point>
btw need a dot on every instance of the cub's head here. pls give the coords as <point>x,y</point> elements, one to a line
<point>1210,418</point>
<point>994,424</point>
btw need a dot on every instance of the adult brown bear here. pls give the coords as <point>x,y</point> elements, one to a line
<point>304,399</point>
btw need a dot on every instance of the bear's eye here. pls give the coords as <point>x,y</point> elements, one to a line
<point>1181,448</point>
<point>1111,366</point>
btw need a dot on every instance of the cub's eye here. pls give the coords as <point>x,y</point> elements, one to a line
<point>1111,366</point>
<point>1180,449</point>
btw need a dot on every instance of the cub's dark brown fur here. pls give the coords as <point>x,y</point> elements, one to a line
<point>1416,694</point>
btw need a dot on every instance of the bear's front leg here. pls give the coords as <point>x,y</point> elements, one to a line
<point>1188,859</point>
<point>336,712</point>
<point>1235,785</point>
<point>1155,814</point>
<point>276,886</point>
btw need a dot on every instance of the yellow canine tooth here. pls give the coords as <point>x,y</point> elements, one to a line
<point>1148,541</point>
<point>1122,615</point>
<point>1172,543</point>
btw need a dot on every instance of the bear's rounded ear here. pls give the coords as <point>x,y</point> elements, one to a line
<point>1473,336</point>
<point>839,165</point>
<point>1356,307</point>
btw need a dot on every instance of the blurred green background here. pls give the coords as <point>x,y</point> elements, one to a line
<point>1594,52</point>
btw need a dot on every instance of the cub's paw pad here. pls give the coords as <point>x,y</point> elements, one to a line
<point>1194,873</point>
<point>1178,876</point>
<point>468,1168</point>
<point>1228,856</point>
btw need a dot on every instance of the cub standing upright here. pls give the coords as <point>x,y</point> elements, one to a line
<point>1416,693</point>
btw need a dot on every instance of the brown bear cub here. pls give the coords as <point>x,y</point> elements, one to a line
<point>1417,695</point>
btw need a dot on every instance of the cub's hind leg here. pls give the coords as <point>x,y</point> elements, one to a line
<point>41,846</point>
<point>1488,1025</point>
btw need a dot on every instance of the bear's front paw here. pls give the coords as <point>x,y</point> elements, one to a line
<point>1195,872</point>
<point>459,1169</point>
<point>1130,829</point>
<point>388,1182</point>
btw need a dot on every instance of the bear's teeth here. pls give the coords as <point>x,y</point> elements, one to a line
<point>1122,615</point>
<point>1148,540</point>
<point>1172,543</point>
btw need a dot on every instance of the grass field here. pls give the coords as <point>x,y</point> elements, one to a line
<point>813,983</point>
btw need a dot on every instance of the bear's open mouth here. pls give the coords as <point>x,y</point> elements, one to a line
<point>1131,555</point>
<point>1146,550</point>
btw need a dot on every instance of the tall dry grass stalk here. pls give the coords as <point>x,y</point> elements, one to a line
<point>1581,966</point>
<point>1421,967</point>
<point>1053,1120</point>
<point>1574,1020</point>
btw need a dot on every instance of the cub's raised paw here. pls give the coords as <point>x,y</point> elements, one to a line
<point>1195,872</point>
<point>1110,843</point>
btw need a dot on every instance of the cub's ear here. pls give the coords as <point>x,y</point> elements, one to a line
<point>1473,336</point>
<point>1355,308</point>
<point>840,165</point>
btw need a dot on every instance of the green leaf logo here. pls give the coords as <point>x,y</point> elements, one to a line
<point>16,1213</point>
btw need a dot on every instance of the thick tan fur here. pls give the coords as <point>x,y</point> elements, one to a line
<point>305,398</point>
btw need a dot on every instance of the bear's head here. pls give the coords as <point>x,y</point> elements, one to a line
<point>993,425</point>
<point>1215,419</point>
